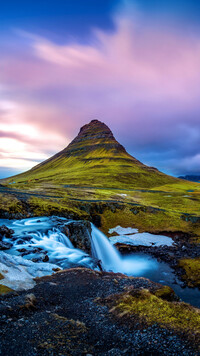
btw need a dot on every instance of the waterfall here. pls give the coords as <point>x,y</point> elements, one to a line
<point>57,235</point>
<point>36,238</point>
<point>103,250</point>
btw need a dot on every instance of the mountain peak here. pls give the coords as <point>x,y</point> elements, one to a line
<point>94,135</point>
<point>95,126</point>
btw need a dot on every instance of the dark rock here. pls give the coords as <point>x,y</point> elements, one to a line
<point>20,242</point>
<point>46,258</point>
<point>22,250</point>
<point>79,233</point>
<point>5,232</point>
<point>27,238</point>
<point>96,220</point>
<point>5,245</point>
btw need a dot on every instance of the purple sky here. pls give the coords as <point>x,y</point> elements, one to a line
<point>136,71</point>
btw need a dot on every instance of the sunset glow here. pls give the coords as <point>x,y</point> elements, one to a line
<point>141,76</point>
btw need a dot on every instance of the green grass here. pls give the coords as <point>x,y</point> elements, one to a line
<point>4,290</point>
<point>152,309</point>
<point>191,267</point>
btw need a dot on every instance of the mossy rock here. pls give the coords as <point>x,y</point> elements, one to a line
<point>150,309</point>
<point>166,293</point>
<point>191,267</point>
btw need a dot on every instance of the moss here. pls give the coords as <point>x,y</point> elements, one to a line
<point>192,271</point>
<point>145,218</point>
<point>4,289</point>
<point>1,276</point>
<point>42,206</point>
<point>151,309</point>
<point>10,204</point>
<point>165,293</point>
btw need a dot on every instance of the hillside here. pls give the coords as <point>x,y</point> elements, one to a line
<point>94,159</point>
<point>95,178</point>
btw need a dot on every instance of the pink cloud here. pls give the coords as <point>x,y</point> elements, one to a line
<point>141,79</point>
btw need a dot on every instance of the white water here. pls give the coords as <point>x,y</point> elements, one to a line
<point>44,233</point>
<point>104,251</point>
<point>112,260</point>
<point>59,248</point>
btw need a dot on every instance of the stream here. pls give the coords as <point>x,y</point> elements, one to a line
<point>40,239</point>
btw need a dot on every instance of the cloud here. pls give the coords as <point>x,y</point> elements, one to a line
<point>142,79</point>
<point>23,143</point>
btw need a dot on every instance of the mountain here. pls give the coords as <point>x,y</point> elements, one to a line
<point>192,178</point>
<point>95,178</point>
<point>94,159</point>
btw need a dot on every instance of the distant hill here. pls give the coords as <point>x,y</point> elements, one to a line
<point>94,159</point>
<point>192,178</point>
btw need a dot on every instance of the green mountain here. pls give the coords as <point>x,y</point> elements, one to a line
<point>94,177</point>
<point>95,159</point>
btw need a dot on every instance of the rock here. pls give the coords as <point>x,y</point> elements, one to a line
<point>96,219</point>
<point>5,245</point>
<point>5,232</point>
<point>45,259</point>
<point>62,316</point>
<point>20,242</point>
<point>79,233</point>
<point>21,250</point>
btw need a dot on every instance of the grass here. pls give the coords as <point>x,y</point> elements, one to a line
<point>146,210</point>
<point>152,309</point>
<point>4,290</point>
<point>192,271</point>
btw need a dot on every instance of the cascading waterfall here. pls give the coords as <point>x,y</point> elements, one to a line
<point>59,248</point>
<point>41,237</point>
<point>112,260</point>
<point>57,235</point>
<point>103,250</point>
<point>36,238</point>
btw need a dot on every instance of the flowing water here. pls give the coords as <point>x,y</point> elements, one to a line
<point>40,237</point>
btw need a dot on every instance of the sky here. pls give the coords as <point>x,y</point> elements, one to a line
<point>135,65</point>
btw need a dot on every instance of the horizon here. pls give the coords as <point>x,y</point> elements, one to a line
<point>133,65</point>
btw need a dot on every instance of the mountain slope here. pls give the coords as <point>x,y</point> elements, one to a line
<point>95,178</point>
<point>95,159</point>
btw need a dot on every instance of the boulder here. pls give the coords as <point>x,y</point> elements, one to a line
<point>79,233</point>
<point>5,232</point>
